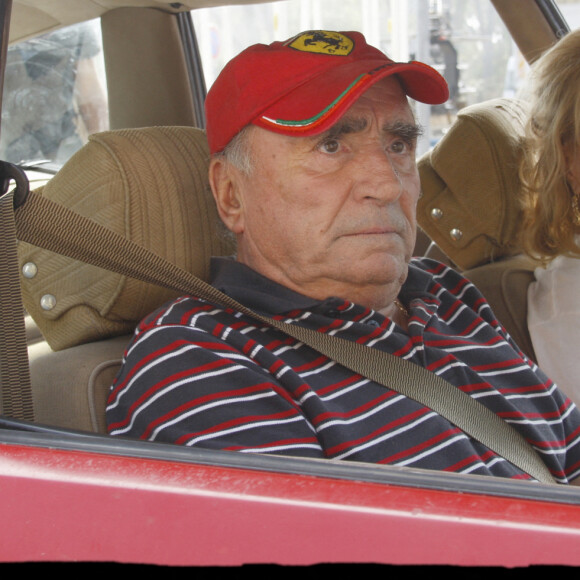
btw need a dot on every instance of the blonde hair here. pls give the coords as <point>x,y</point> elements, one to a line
<point>554,124</point>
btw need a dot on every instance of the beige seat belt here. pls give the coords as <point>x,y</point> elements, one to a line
<point>48,225</point>
<point>16,394</point>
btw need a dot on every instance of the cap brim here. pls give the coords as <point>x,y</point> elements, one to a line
<point>317,104</point>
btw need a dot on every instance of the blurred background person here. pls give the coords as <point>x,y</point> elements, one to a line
<point>54,97</point>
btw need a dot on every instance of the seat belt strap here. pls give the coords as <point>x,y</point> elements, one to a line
<point>16,395</point>
<point>44,223</point>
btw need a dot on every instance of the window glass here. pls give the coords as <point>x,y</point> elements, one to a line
<point>54,95</point>
<point>570,10</point>
<point>464,39</point>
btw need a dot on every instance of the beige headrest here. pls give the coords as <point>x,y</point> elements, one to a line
<point>471,189</point>
<point>149,185</point>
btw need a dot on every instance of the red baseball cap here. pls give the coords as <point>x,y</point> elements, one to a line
<point>302,86</point>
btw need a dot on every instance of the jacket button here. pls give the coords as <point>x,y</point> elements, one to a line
<point>436,213</point>
<point>48,302</point>
<point>29,270</point>
<point>456,234</point>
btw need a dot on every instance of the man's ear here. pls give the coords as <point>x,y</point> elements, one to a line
<point>225,182</point>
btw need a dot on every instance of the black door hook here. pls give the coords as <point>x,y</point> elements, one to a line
<point>10,172</point>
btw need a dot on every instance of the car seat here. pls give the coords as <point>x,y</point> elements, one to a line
<point>470,207</point>
<point>151,186</point>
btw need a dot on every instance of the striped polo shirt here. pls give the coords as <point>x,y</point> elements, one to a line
<point>197,373</point>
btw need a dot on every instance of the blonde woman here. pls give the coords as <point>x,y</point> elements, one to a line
<point>550,173</point>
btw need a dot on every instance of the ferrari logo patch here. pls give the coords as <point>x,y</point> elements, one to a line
<point>323,42</point>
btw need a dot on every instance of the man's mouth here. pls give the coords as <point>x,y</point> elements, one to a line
<point>379,231</point>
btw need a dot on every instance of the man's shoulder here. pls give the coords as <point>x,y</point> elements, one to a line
<point>425,271</point>
<point>431,266</point>
<point>441,280</point>
<point>176,311</point>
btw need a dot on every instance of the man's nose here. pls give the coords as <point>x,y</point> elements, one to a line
<point>378,177</point>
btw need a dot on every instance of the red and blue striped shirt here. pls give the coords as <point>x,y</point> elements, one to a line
<point>201,374</point>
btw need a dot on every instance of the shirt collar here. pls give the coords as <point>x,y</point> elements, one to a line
<point>255,291</point>
<point>265,296</point>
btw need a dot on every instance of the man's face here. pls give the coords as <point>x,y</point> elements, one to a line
<point>334,214</point>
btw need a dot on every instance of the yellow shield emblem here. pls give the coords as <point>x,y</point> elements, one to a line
<point>323,42</point>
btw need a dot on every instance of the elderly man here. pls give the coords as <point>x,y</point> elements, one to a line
<point>313,169</point>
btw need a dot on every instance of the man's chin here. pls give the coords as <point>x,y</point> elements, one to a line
<point>384,273</point>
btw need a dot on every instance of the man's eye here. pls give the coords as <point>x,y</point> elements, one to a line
<point>399,147</point>
<point>330,146</point>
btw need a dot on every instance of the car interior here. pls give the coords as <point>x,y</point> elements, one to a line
<point>82,339</point>
<point>74,493</point>
<point>146,176</point>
